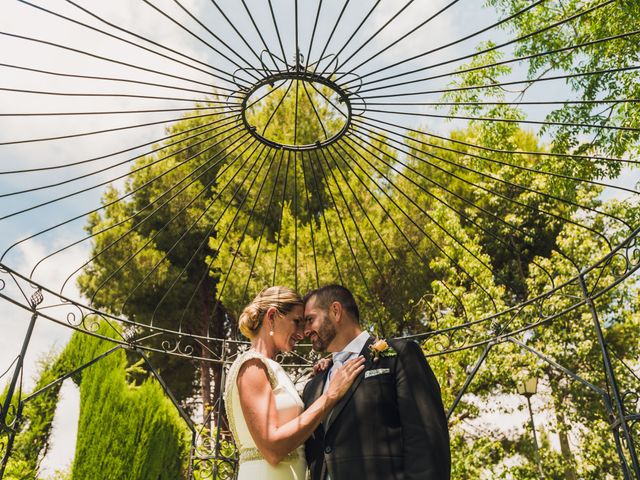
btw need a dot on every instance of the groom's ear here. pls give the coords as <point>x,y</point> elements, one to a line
<point>336,310</point>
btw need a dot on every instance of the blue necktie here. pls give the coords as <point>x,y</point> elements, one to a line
<point>339,359</point>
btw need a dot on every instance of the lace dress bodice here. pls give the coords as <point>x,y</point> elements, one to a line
<point>288,404</point>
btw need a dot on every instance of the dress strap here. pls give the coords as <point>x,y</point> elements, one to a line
<point>237,364</point>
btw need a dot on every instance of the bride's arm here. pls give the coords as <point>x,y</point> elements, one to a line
<point>258,406</point>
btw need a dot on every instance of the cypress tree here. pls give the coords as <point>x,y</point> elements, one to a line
<point>125,430</point>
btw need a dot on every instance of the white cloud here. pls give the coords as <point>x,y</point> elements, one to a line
<point>64,431</point>
<point>47,338</point>
<point>27,21</point>
<point>629,178</point>
<point>509,415</point>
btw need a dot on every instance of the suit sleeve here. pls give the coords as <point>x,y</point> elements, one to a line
<point>312,444</point>
<point>305,393</point>
<point>425,431</point>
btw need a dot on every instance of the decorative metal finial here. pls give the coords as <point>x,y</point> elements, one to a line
<point>36,299</point>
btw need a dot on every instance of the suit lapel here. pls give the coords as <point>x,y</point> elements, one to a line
<point>368,362</point>
<point>316,387</point>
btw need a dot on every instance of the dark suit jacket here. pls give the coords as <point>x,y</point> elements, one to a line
<point>390,425</point>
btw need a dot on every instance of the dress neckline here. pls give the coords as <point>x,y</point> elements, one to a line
<point>251,349</point>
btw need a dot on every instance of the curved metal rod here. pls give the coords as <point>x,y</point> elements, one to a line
<point>550,318</point>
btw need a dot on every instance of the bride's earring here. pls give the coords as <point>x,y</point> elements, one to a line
<point>271,333</point>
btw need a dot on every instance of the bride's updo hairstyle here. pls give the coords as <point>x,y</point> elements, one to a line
<point>282,299</point>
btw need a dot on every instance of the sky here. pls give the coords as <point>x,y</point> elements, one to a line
<point>88,52</point>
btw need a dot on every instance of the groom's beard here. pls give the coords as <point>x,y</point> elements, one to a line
<point>324,336</point>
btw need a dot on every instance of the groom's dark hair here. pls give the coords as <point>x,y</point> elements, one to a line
<point>328,294</point>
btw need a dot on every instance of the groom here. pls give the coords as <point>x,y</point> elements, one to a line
<point>391,424</point>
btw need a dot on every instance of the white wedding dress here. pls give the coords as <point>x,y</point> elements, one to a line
<point>289,405</point>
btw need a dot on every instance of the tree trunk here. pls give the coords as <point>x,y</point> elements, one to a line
<point>219,331</point>
<point>559,394</point>
<point>205,383</point>
<point>565,448</point>
<point>206,295</point>
<point>212,323</point>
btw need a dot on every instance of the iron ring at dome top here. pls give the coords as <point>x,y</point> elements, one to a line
<point>301,76</point>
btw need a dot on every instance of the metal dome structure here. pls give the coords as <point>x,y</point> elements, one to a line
<point>252,143</point>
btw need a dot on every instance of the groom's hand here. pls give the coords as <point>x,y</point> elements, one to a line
<point>323,365</point>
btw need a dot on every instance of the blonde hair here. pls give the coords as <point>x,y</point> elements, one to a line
<point>282,299</point>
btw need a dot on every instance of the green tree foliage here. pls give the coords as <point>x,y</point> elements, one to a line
<point>548,212</point>
<point>332,224</point>
<point>575,346</point>
<point>520,200</point>
<point>601,20</point>
<point>149,249</point>
<point>31,443</point>
<point>125,430</point>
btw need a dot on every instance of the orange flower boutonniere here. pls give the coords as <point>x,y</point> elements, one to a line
<point>380,348</point>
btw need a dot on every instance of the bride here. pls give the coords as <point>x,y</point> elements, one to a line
<point>266,415</point>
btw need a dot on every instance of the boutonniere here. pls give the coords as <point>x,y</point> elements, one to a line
<point>380,348</point>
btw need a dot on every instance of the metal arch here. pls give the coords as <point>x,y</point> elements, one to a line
<point>627,252</point>
<point>363,122</point>
<point>622,419</point>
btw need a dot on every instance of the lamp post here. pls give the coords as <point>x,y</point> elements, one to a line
<point>528,388</point>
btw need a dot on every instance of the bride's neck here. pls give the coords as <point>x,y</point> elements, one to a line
<point>265,347</point>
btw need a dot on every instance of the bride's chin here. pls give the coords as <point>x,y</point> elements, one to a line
<point>289,347</point>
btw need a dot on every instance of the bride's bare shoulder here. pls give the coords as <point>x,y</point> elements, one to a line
<point>253,368</point>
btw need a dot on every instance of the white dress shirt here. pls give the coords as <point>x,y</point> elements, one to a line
<point>352,350</point>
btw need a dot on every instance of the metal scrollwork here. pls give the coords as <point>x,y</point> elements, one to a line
<point>169,347</point>
<point>214,452</point>
<point>633,253</point>
<point>71,319</point>
<point>11,417</point>
<point>71,316</point>
<point>617,266</point>
<point>445,340</point>
<point>90,322</point>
